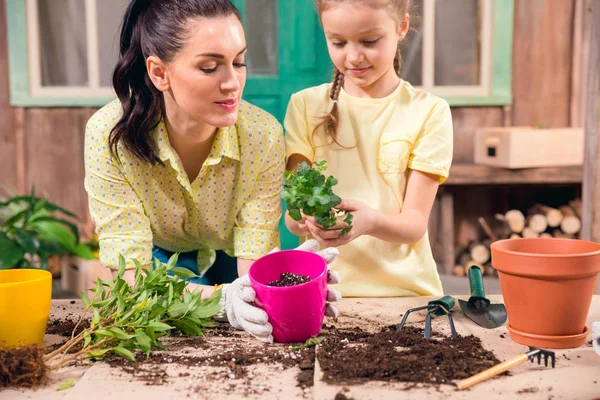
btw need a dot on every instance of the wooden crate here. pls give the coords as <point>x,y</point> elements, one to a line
<point>79,275</point>
<point>529,147</point>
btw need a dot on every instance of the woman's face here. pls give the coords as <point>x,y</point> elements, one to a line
<point>207,77</point>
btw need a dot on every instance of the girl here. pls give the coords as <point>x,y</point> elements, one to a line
<point>388,144</point>
<point>179,163</point>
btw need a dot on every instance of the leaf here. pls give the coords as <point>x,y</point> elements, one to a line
<point>27,240</point>
<point>345,231</point>
<point>183,272</point>
<point>188,327</point>
<point>86,339</point>
<point>207,311</point>
<point>12,221</point>
<point>159,326</point>
<point>119,333</point>
<point>313,341</point>
<point>86,300</point>
<point>172,261</point>
<point>122,265</point>
<point>104,332</point>
<point>96,317</point>
<point>144,341</point>
<point>98,353</point>
<point>10,252</point>
<point>68,384</point>
<point>177,310</point>
<point>295,214</point>
<point>123,352</point>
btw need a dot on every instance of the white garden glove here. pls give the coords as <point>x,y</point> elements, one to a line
<point>596,336</point>
<point>237,299</point>
<point>329,254</point>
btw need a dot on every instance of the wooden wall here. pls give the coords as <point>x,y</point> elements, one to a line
<point>44,147</point>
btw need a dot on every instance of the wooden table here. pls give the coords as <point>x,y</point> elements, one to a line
<point>576,376</point>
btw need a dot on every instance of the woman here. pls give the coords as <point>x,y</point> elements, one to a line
<point>179,163</point>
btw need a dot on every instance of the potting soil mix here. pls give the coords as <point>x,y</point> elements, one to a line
<point>347,356</point>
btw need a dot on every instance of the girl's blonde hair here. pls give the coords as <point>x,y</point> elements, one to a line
<point>399,9</point>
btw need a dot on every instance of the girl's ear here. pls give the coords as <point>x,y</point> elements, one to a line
<point>403,26</point>
<point>157,72</point>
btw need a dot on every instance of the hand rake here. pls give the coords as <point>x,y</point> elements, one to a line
<point>508,364</point>
<point>435,307</point>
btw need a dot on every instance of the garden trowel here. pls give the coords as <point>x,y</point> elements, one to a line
<point>478,308</point>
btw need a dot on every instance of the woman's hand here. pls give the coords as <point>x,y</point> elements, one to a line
<point>362,224</point>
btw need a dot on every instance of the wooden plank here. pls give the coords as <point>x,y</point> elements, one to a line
<point>542,62</point>
<point>55,160</point>
<point>591,180</point>
<point>466,121</point>
<point>8,137</point>
<point>580,60</point>
<point>471,174</point>
<point>87,229</point>
<point>447,230</point>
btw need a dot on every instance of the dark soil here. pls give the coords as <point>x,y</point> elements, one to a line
<point>346,356</point>
<point>289,279</point>
<point>528,390</point>
<point>236,358</point>
<point>64,327</point>
<point>22,367</point>
<point>355,356</point>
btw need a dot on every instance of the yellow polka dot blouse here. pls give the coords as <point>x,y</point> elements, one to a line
<point>233,205</point>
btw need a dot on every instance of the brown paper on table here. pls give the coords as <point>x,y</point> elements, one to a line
<point>576,376</point>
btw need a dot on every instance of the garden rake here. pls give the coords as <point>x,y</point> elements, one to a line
<point>435,307</point>
<point>508,364</point>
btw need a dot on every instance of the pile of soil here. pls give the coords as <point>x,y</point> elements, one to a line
<point>64,326</point>
<point>235,356</point>
<point>22,367</point>
<point>354,356</point>
<point>290,279</point>
<point>346,356</point>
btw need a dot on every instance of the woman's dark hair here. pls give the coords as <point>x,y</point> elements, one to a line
<point>151,27</point>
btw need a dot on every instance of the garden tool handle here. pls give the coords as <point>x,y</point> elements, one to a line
<point>447,302</point>
<point>493,371</point>
<point>476,284</point>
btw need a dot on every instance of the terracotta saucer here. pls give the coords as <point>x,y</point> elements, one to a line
<point>549,342</point>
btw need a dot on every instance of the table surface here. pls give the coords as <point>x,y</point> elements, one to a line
<point>576,376</point>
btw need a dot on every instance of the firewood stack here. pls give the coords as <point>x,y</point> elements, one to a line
<point>540,221</point>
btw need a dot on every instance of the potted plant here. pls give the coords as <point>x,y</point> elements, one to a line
<point>32,230</point>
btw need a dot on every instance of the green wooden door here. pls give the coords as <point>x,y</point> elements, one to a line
<point>286,53</point>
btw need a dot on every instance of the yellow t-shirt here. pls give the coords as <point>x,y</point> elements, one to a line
<point>383,138</point>
<point>233,205</point>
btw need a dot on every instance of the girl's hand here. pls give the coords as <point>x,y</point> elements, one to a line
<point>362,224</point>
<point>298,228</point>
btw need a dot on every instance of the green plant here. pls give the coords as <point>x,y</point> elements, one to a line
<point>127,318</point>
<point>307,190</point>
<point>30,229</point>
<point>119,319</point>
<point>310,342</point>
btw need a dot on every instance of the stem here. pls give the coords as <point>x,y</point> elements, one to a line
<point>65,347</point>
<point>64,360</point>
<point>78,322</point>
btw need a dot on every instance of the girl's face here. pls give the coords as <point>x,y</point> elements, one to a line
<point>362,43</point>
<point>205,80</point>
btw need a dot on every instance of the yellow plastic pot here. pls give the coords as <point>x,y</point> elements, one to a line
<point>25,296</point>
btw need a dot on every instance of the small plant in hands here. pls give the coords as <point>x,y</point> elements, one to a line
<point>123,319</point>
<point>308,191</point>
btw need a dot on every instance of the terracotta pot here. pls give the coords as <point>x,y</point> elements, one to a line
<point>547,284</point>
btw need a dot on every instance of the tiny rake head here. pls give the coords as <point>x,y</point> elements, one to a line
<point>539,353</point>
